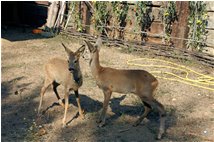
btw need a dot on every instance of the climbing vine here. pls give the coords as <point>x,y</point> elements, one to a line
<point>168,17</point>
<point>77,14</point>
<point>101,16</point>
<point>197,22</point>
<point>144,17</point>
<point>120,11</point>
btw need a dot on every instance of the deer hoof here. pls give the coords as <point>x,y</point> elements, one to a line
<point>82,116</point>
<point>159,136</point>
<point>39,115</point>
<point>64,125</point>
<point>61,103</point>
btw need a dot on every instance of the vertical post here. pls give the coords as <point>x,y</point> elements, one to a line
<point>86,17</point>
<point>180,28</point>
<point>52,14</point>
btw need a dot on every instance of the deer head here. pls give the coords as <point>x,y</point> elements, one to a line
<point>73,57</point>
<point>95,47</point>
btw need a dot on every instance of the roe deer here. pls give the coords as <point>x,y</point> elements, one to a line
<point>139,82</point>
<point>66,73</point>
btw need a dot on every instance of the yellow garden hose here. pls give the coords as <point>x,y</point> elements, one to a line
<point>202,81</point>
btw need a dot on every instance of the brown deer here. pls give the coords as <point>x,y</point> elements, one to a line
<point>139,82</point>
<point>66,73</point>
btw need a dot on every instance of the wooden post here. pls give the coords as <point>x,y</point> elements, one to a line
<point>52,14</point>
<point>180,28</point>
<point>86,16</point>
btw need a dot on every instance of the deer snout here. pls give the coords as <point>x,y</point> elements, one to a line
<point>71,69</point>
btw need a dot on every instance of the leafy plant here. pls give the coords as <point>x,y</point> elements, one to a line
<point>197,22</point>
<point>120,11</point>
<point>101,16</point>
<point>144,17</point>
<point>77,14</point>
<point>168,17</point>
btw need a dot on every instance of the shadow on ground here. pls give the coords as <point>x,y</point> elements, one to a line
<point>19,34</point>
<point>18,113</point>
<point>118,131</point>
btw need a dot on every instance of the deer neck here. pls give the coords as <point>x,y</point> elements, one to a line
<point>77,75</point>
<point>95,65</point>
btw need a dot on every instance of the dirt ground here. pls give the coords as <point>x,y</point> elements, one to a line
<point>190,110</point>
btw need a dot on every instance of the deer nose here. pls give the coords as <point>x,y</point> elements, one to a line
<point>71,69</point>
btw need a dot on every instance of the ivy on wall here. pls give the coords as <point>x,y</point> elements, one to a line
<point>76,14</point>
<point>168,18</point>
<point>120,12</point>
<point>197,22</point>
<point>101,16</point>
<point>144,17</point>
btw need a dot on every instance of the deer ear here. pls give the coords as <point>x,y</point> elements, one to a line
<point>80,51</point>
<point>90,46</point>
<point>68,51</point>
<point>98,43</point>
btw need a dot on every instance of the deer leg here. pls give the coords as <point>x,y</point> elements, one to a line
<point>155,104</point>
<point>55,85</point>
<point>162,114</point>
<point>44,88</point>
<point>81,112</point>
<point>107,96</point>
<point>147,108</point>
<point>66,107</point>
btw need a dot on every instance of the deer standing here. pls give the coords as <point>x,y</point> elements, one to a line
<point>66,73</point>
<point>139,82</point>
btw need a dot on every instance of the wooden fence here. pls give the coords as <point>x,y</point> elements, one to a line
<point>155,34</point>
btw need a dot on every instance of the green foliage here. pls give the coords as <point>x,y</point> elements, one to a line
<point>143,16</point>
<point>77,15</point>
<point>197,22</point>
<point>168,17</point>
<point>120,10</point>
<point>101,15</point>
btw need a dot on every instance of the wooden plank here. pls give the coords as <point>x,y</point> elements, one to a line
<point>180,28</point>
<point>210,20</point>
<point>52,14</point>
<point>210,5</point>
<point>209,50</point>
<point>45,3</point>
<point>159,3</point>
<point>210,39</point>
<point>155,13</point>
<point>156,28</point>
<point>86,16</point>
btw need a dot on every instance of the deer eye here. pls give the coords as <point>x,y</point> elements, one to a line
<point>75,61</point>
